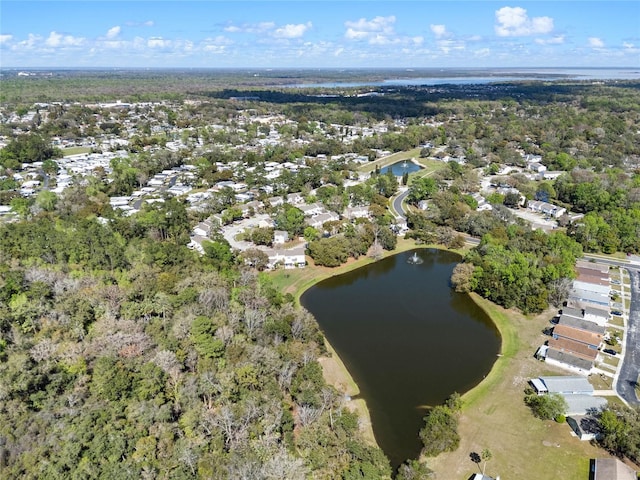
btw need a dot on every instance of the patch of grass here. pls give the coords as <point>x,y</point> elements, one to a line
<point>616,321</point>
<point>75,150</point>
<point>494,415</point>
<point>613,361</point>
<point>601,382</point>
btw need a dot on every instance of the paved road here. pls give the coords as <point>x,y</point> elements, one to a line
<point>397,204</point>
<point>628,374</point>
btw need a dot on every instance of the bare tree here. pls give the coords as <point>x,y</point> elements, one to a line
<point>285,375</point>
<point>308,414</point>
<point>559,291</point>
<point>283,465</point>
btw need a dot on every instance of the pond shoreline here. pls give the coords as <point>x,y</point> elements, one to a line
<point>337,374</point>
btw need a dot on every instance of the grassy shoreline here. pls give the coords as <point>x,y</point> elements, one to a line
<point>494,415</point>
<point>334,370</point>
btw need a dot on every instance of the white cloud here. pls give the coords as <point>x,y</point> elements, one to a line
<point>557,40</point>
<point>366,29</point>
<point>215,45</point>
<point>292,31</point>
<point>5,38</point>
<point>514,22</point>
<point>438,30</point>
<point>31,41</point>
<point>446,46</point>
<point>482,53</point>
<point>158,42</point>
<point>595,42</point>
<point>113,32</point>
<point>262,27</point>
<point>148,23</point>
<point>56,39</point>
<point>627,45</point>
<point>338,52</point>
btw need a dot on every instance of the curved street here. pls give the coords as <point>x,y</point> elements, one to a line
<point>627,380</point>
<point>397,204</point>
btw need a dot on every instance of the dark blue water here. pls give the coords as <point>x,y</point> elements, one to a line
<point>400,168</point>
<point>407,338</point>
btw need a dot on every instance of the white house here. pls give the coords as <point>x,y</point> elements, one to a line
<point>311,210</point>
<point>280,237</point>
<point>275,201</point>
<point>295,199</point>
<point>546,208</point>
<point>290,258</point>
<point>356,212</point>
<point>319,220</point>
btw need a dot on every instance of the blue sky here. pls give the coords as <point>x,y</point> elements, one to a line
<point>325,33</point>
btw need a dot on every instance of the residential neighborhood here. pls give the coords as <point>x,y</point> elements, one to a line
<point>178,234</point>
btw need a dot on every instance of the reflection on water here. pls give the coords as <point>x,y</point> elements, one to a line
<point>407,338</point>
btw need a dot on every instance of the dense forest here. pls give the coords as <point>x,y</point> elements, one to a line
<point>125,355</point>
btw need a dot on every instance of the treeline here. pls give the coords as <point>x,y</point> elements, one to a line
<point>125,355</point>
<point>611,204</point>
<point>520,267</point>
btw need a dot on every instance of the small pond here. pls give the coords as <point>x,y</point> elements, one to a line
<point>407,338</point>
<point>400,168</point>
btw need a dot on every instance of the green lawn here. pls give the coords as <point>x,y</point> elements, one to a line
<point>494,415</point>
<point>616,321</point>
<point>75,150</point>
<point>613,361</point>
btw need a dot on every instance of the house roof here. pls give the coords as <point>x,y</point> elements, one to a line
<point>578,335</point>
<point>596,280</point>
<point>590,272</point>
<point>583,404</point>
<point>612,469</point>
<point>593,266</point>
<point>565,357</point>
<point>581,324</point>
<point>574,348</point>
<point>567,384</point>
<point>587,296</point>
<point>573,312</point>
<point>539,385</point>
<point>596,311</point>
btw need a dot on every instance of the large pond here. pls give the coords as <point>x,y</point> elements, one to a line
<point>400,168</point>
<point>407,338</point>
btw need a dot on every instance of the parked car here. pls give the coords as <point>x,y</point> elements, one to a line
<point>616,312</point>
<point>609,351</point>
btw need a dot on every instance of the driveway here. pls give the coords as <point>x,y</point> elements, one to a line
<point>628,376</point>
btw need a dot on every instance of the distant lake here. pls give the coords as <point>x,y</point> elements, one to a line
<point>407,338</point>
<point>486,76</point>
<point>400,168</point>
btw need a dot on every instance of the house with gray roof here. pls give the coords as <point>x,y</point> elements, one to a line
<point>567,385</point>
<point>611,469</point>
<point>587,297</point>
<point>567,360</point>
<point>592,287</point>
<point>581,324</point>
<point>584,404</point>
